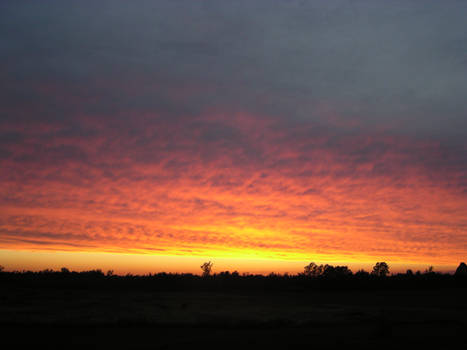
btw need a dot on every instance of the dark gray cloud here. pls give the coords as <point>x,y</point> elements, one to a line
<point>400,63</point>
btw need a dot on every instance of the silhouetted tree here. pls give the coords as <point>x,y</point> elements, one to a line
<point>381,269</point>
<point>461,270</point>
<point>361,273</point>
<point>342,271</point>
<point>1,268</point>
<point>64,270</point>
<point>206,267</point>
<point>312,270</point>
<point>335,271</point>
<point>430,269</point>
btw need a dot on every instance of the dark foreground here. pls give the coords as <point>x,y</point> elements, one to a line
<point>88,318</point>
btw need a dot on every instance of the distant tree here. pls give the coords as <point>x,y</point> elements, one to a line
<point>342,271</point>
<point>110,273</point>
<point>96,273</point>
<point>381,269</point>
<point>224,274</point>
<point>206,268</point>
<point>2,268</point>
<point>313,270</point>
<point>409,272</point>
<point>327,270</point>
<point>461,270</point>
<point>430,269</point>
<point>64,270</point>
<point>361,273</point>
<point>335,271</point>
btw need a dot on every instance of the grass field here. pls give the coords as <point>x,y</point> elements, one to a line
<point>142,319</point>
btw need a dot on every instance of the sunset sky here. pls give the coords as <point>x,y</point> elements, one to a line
<point>151,136</point>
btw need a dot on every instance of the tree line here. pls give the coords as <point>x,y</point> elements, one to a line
<point>314,276</point>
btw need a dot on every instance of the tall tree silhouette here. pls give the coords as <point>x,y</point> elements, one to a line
<point>381,269</point>
<point>206,267</point>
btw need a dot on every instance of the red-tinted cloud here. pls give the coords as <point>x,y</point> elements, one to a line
<point>227,183</point>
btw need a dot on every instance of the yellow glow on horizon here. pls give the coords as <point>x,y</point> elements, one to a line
<point>123,263</point>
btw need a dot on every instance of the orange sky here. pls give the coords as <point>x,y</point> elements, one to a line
<point>304,199</point>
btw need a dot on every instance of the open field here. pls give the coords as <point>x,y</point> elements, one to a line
<point>147,319</point>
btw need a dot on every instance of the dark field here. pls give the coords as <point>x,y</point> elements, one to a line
<point>107,315</point>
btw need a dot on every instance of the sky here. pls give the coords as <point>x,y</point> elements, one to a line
<point>155,135</point>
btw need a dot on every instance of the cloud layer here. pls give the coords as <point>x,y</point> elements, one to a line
<point>283,130</point>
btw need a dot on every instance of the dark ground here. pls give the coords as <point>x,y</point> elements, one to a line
<point>110,318</point>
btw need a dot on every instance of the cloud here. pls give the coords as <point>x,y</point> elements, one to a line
<point>286,128</point>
